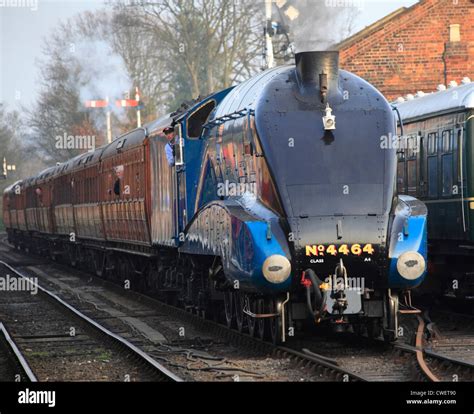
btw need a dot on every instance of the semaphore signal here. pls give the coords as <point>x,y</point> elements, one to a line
<point>120,103</point>
<point>6,168</point>
<point>97,104</point>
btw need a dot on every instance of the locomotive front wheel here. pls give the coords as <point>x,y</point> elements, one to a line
<point>229,308</point>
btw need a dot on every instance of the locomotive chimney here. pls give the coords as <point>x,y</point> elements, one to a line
<point>318,72</point>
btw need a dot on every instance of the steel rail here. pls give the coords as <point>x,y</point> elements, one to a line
<point>18,356</point>
<point>122,342</point>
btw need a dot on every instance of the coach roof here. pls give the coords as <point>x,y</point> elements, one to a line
<point>438,103</point>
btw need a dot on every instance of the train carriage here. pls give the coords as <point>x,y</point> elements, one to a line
<point>123,186</point>
<point>436,165</point>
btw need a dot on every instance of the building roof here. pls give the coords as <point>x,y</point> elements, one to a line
<point>446,101</point>
<point>379,24</point>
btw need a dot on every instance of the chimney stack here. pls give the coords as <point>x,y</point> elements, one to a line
<point>318,72</point>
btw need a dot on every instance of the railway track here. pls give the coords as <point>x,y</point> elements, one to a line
<point>13,365</point>
<point>243,357</point>
<point>204,341</point>
<point>317,365</point>
<point>61,343</point>
<point>423,360</point>
<point>327,358</point>
<point>449,348</point>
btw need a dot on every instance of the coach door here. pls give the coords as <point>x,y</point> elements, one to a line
<point>461,181</point>
<point>449,187</point>
<point>433,178</point>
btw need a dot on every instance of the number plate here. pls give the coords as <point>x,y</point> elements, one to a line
<point>322,250</point>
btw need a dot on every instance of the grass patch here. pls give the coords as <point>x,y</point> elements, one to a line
<point>104,356</point>
<point>38,354</point>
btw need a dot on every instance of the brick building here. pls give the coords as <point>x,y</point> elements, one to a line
<point>415,48</point>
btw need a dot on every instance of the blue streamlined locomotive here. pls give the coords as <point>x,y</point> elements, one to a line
<point>281,206</point>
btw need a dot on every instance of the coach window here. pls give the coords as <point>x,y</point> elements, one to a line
<point>401,179</point>
<point>421,161</point>
<point>432,165</point>
<point>411,165</point>
<point>447,141</point>
<point>401,145</point>
<point>447,163</point>
<point>121,144</point>
<point>432,138</point>
<point>119,171</point>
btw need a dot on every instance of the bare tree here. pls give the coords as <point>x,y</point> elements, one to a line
<point>204,45</point>
<point>14,149</point>
<point>59,109</point>
<point>172,51</point>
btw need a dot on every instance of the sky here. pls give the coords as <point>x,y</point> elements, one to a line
<point>25,23</point>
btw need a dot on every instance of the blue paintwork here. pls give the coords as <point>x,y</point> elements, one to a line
<point>228,230</point>
<point>256,234</point>
<point>416,240</point>
<point>193,149</point>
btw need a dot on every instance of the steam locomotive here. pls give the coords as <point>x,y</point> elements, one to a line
<point>280,208</point>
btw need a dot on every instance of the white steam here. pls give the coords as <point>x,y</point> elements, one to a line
<point>320,24</point>
<point>102,73</point>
